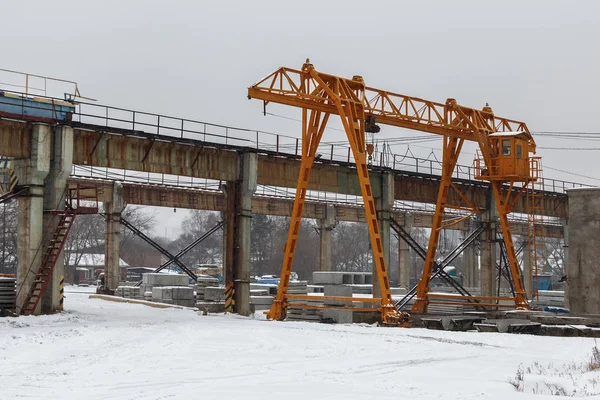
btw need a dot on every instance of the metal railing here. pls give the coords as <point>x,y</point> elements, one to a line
<point>141,122</point>
<point>38,85</point>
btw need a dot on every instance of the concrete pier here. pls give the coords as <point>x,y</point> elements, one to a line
<point>471,261</point>
<point>31,172</point>
<point>384,203</point>
<point>487,270</point>
<point>404,255</point>
<point>236,239</point>
<point>55,199</point>
<point>326,226</point>
<point>113,210</point>
<point>583,274</point>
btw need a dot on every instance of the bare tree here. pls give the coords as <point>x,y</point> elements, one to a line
<point>8,227</point>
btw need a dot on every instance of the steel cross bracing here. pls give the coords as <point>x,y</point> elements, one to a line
<point>323,95</point>
<point>438,267</point>
<point>184,251</point>
<point>159,248</point>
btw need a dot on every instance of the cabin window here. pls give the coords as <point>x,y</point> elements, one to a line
<point>519,151</point>
<point>506,147</point>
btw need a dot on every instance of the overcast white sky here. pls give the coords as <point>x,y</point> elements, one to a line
<point>536,61</point>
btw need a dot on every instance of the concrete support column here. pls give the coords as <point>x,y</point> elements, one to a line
<point>237,234</point>
<point>565,224</point>
<point>326,226</point>
<point>384,202</point>
<point>583,275</point>
<point>470,260</point>
<point>487,270</point>
<point>113,210</point>
<point>30,233</point>
<point>404,255</point>
<point>55,199</point>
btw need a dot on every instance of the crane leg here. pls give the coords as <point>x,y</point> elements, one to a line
<point>520,296</point>
<point>353,121</point>
<point>451,151</point>
<point>313,126</point>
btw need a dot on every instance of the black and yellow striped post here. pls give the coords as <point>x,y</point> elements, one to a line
<point>229,297</point>
<point>62,292</point>
<point>12,182</point>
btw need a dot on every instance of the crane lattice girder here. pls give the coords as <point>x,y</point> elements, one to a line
<point>300,89</point>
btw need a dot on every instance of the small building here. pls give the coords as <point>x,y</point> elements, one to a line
<point>84,267</point>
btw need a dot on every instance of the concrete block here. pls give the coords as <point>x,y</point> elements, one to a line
<point>328,278</point>
<point>162,293</point>
<point>183,293</point>
<point>358,278</point>
<point>338,316</point>
<point>314,289</point>
<point>257,292</point>
<point>272,289</point>
<point>368,278</point>
<point>338,291</point>
<point>165,279</point>
<point>211,306</point>
<point>185,302</point>
<point>262,300</point>
<point>214,294</point>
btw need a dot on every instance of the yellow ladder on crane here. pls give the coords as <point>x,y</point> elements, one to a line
<point>535,226</point>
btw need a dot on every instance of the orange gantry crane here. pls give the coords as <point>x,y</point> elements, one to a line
<point>505,147</point>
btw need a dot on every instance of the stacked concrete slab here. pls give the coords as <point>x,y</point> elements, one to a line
<point>338,316</point>
<point>550,298</point>
<point>342,278</point>
<point>305,314</point>
<point>129,292</point>
<point>213,300</point>
<point>179,295</point>
<point>8,294</point>
<point>202,284</point>
<point>149,281</point>
<point>271,288</point>
<point>297,287</point>
<point>343,284</point>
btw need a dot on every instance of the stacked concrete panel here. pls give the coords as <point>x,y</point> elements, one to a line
<point>305,314</point>
<point>129,292</point>
<point>315,289</point>
<point>178,295</point>
<point>297,287</point>
<point>213,299</point>
<point>270,287</point>
<point>8,294</point>
<point>202,284</point>
<point>261,302</point>
<point>149,281</point>
<point>550,298</point>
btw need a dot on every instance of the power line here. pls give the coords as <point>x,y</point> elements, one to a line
<point>566,133</point>
<point>571,173</point>
<point>569,148</point>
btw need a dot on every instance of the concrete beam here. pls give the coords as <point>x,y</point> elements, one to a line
<point>165,157</point>
<point>15,139</point>
<point>194,199</point>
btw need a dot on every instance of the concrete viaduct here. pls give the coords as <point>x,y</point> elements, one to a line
<point>45,153</point>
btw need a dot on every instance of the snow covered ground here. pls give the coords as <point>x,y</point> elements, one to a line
<point>105,350</point>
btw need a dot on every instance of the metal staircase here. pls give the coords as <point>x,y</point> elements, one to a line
<point>79,200</point>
